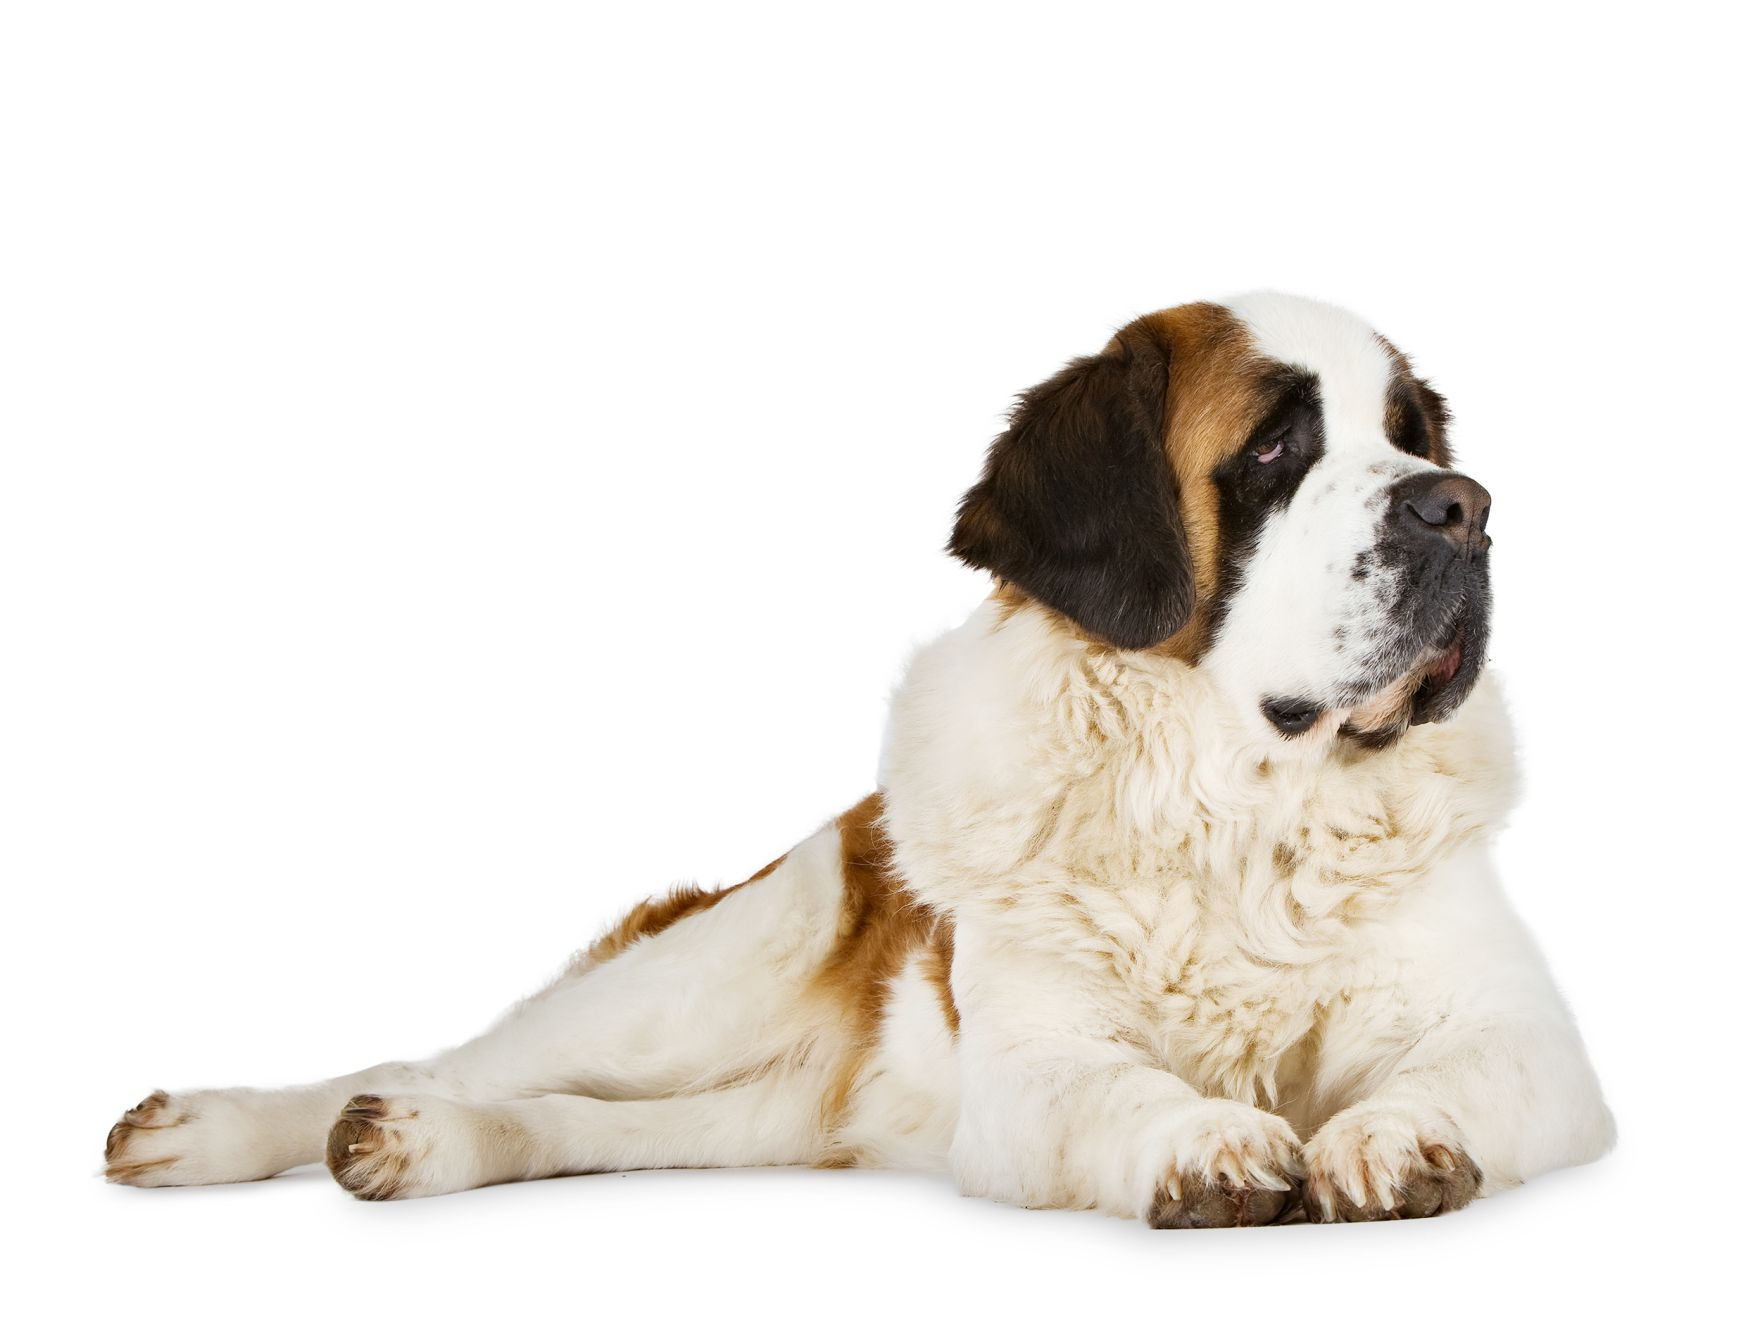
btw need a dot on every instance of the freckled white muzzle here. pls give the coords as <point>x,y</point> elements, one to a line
<point>1374,576</point>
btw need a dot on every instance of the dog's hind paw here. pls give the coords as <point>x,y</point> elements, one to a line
<point>188,1139</point>
<point>393,1147</point>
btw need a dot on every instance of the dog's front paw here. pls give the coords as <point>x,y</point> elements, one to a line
<point>389,1148</point>
<point>1385,1162</point>
<point>1234,1167</point>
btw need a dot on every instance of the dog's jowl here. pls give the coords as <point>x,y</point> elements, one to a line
<point>1174,899</point>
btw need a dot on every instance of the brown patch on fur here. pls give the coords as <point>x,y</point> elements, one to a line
<point>1411,402</point>
<point>1216,395</point>
<point>653,915</point>
<point>880,928</point>
<point>1380,720</point>
<point>1011,600</point>
<point>939,970</point>
<point>356,1153</point>
<point>1391,705</point>
<point>126,1172</point>
<point>116,1168</point>
<point>359,1166</point>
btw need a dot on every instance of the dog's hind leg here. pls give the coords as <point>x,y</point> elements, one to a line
<point>397,1146</point>
<point>241,1134</point>
<point>683,994</point>
<point>687,994</point>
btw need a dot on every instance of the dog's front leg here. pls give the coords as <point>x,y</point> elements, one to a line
<point>1059,1108</point>
<point>1496,1089</point>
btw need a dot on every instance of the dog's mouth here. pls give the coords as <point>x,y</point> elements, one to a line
<point>1428,692</point>
<point>1445,682</point>
<point>1435,677</point>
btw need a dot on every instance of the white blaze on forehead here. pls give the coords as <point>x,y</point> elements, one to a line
<point>1341,350</point>
<point>1311,618</point>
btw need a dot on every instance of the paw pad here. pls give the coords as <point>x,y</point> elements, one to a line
<point>1207,1204</point>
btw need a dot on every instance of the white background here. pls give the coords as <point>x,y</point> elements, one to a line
<point>466,467</point>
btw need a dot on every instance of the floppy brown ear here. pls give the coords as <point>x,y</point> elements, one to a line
<point>1436,418</point>
<point>1078,507</point>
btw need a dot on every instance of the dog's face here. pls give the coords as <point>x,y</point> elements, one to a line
<point>1260,488</point>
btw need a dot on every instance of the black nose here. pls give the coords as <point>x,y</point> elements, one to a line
<point>1444,504</point>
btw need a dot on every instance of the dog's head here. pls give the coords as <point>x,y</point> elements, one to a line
<point>1262,488</point>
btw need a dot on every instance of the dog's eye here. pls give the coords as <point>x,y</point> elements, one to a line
<point>1269,451</point>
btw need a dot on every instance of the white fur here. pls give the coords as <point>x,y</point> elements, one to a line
<point>1301,625</point>
<point>1186,949</point>
<point>1152,916</point>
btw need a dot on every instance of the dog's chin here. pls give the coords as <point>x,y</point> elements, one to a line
<point>1431,690</point>
<point>1431,678</point>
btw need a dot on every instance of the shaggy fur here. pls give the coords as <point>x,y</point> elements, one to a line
<point>1176,900</point>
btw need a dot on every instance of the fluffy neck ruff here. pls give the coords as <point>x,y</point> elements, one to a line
<point>1018,747</point>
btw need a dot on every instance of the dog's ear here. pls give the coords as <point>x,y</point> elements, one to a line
<point>1078,506</point>
<point>1436,418</point>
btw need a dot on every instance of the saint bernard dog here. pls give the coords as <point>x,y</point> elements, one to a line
<point>1175,899</point>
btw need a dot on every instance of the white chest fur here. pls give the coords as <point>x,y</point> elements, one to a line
<point>1220,888</point>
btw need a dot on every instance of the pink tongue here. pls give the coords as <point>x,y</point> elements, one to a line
<point>1446,668</point>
